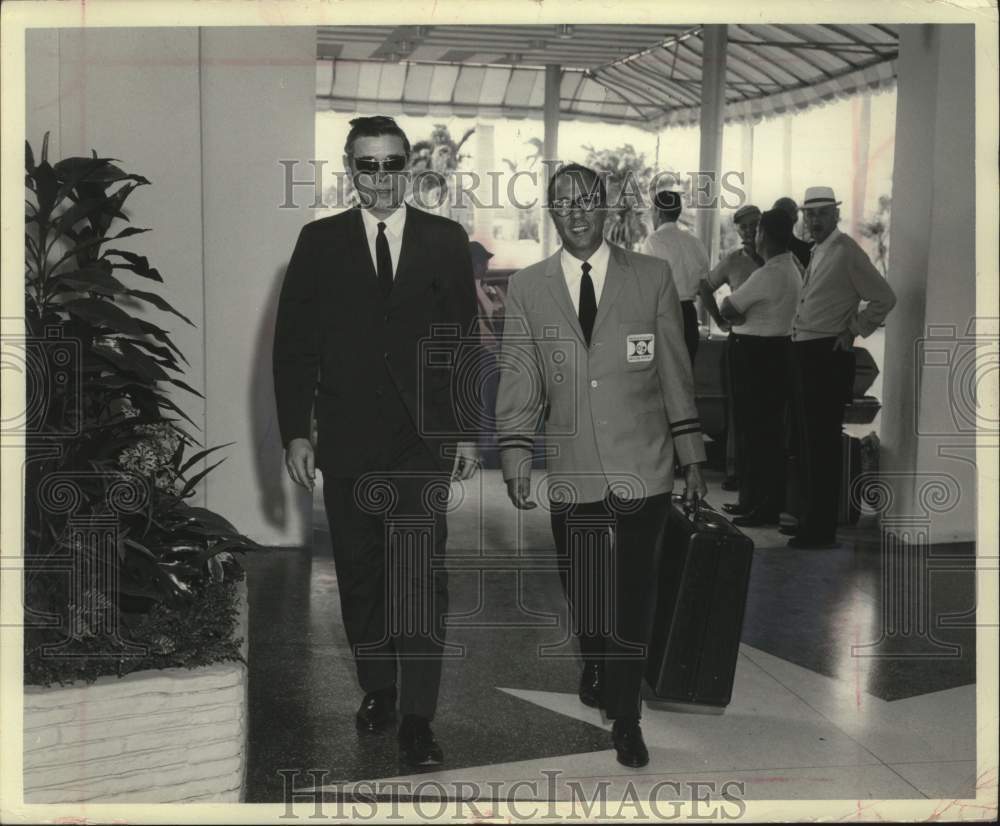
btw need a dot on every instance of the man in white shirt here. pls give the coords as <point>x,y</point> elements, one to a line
<point>761,311</point>
<point>839,277</point>
<point>684,253</point>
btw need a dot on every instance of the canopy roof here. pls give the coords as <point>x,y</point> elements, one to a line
<point>648,76</point>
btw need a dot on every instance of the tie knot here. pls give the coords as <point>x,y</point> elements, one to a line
<point>586,268</point>
<point>381,227</point>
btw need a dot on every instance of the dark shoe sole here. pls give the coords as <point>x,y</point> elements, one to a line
<point>590,701</point>
<point>421,763</point>
<point>633,762</point>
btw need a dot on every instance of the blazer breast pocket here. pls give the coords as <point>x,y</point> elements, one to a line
<point>637,345</point>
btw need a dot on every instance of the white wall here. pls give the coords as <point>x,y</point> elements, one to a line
<point>205,115</point>
<point>932,269</point>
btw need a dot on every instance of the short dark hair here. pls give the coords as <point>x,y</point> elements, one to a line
<point>668,203</point>
<point>374,127</point>
<point>579,169</point>
<point>776,225</point>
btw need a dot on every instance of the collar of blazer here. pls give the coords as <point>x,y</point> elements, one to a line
<point>412,254</point>
<point>619,269</point>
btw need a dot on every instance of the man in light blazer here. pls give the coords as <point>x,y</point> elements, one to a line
<point>594,347</point>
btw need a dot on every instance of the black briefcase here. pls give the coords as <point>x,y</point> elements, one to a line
<point>702,593</point>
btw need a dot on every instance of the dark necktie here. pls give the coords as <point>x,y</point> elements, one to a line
<point>383,259</point>
<point>588,303</point>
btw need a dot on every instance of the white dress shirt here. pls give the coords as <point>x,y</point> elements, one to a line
<point>393,233</point>
<point>685,254</point>
<point>768,298</point>
<point>572,268</point>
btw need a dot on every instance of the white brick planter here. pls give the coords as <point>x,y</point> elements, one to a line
<point>161,736</point>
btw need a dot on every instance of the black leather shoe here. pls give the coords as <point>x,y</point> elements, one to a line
<point>730,483</point>
<point>592,685</point>
<point>735,509</point>
<point>377,709</point>
<point>756,519</point>
<point>417,746</point>
<point>627,737</point>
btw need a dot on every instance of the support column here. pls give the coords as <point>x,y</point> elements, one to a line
<point>862,112</point>
<point>550,151</point>
<point>786,159</point>
<point>746,139</point>
<point>929,399</point>
<point>485,164</point>
<point>713,109</point>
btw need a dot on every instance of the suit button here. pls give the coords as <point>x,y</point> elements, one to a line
<point>378,393</point>
<point>593,383</point>
<point>385,356</point>
<point>558,378</point>
<point>387,319</point>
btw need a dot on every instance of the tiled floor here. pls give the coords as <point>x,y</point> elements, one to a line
<point>814,715</point>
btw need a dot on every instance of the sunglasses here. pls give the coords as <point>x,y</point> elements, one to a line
<point>564,206</point>
<point>394,163</point>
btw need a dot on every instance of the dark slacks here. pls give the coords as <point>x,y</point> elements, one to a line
<point>822,385</point>
<point>606,553</point>
<point>690,315</point>
<point>760,385</point>
<point>734,447</point>
<point>389,533</point>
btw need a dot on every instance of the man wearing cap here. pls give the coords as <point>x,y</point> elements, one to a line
<point>799,248</point>
<point>733,270</point>
<point>839,277</point>
<point>684,253</point>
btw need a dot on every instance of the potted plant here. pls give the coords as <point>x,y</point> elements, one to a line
<point>122,573</point>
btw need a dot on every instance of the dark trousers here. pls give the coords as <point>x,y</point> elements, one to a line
<point>760,385</point>
<point>822,384</point>
<point>389,533</point>
<point>606,553</point>
<point>734,447</point>
<point>690,315</point>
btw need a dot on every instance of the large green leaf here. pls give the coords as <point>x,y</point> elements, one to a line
<point>29,157</point>
<point>76,213</point>
<point>185,386</point>
<point>150,366</point>
<point>138,264</point>
<point>192,483</point>
<point>165,354</point>
<point>193,461</point>
<point>46,187</point>
<point>160,335</point>
<point>160,303</point>
<point>96,311</point>
<point>163,401</point>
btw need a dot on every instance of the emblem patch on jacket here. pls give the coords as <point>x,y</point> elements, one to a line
<point>639,348</point>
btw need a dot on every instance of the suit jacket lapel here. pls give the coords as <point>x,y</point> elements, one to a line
<point>411,252</point>
<point>560,292</point>
<point>357,245</point>
<point>617,272</point>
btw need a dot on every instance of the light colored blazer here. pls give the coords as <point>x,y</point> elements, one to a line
<point>613,413</point>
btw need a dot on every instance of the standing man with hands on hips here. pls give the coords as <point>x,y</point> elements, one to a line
<point>594,346</point>
<point>828,318</point>
<point>363,290</point>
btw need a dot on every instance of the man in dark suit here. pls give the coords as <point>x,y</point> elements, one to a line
<point>368,295</point>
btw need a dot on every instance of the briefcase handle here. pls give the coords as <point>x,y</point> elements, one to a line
<point>701,511</point>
